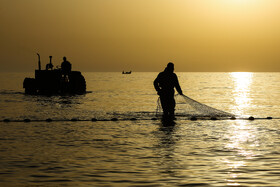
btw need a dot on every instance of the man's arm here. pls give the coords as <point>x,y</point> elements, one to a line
<point>177,85</point>
<point>156,85</point>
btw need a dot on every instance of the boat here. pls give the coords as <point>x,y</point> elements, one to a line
<point>127,72</point>
<point>54,81</point>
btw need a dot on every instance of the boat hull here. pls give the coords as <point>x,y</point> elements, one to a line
<point>50,82</point>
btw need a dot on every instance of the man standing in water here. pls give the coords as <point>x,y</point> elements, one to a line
<point>164,85</point>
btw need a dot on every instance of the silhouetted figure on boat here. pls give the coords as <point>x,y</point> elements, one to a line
<point>66,67</point>
<point>49,65</point>
<point>164,85</point>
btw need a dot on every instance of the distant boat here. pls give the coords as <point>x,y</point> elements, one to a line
<point>127,72</point>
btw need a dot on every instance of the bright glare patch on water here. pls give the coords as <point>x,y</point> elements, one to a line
<point>241,92</point>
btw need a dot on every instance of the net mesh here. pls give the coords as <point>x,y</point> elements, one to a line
<point>186,106</point>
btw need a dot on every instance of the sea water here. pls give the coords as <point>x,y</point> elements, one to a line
<point>142,152</point>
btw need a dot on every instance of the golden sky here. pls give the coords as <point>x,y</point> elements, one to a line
<point>141,35</point>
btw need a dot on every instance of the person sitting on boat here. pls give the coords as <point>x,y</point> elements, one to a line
<point>66,67</point>
<point>49,65</point>
<point>164,85</point>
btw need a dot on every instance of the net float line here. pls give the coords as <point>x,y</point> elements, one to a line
<point>193,118</point>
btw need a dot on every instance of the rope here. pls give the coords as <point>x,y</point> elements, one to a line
<point>251,118</point>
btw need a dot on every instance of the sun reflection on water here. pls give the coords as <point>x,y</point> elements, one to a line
<point>243,143</point>
<point>241,92</point>
<point>242,138</point>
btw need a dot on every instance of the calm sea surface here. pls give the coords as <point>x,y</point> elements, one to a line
<point>144,152</point>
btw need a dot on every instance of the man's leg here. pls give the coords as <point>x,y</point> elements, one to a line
<point>171,108</point>
<point>164,104</point>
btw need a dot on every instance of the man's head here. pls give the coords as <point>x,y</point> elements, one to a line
<point>170,67</point>
<point>64,58</point>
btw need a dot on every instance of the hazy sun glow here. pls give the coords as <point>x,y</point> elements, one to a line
<point>117,35</point>
<point>240,2</point>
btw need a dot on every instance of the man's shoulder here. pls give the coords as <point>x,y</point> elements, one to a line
<point>160,74</point>
<point>67,62</point>
<point>167,74</point>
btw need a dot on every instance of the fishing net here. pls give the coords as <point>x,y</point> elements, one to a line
<point>185,106</point>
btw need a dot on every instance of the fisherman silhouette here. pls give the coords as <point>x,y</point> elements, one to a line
<point>66,67</point>
<point>164,85</point>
